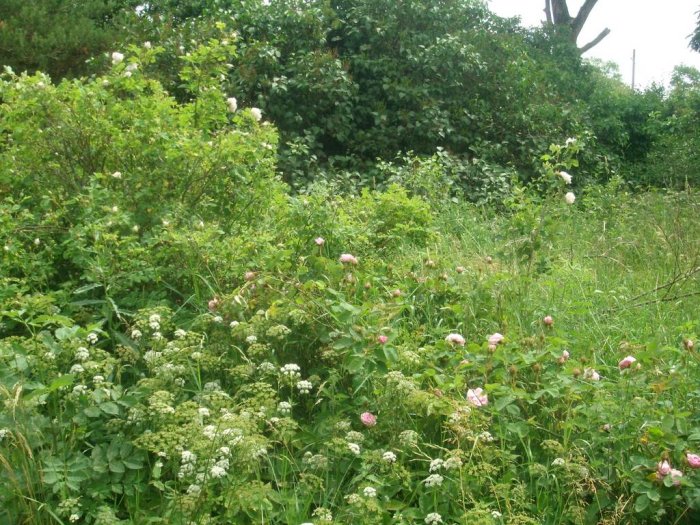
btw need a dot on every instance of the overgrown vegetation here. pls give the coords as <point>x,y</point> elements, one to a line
<point>315,268</point>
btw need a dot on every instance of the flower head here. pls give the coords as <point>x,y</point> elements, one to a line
<point>257,114</point>
<point>382,339</point>
<point>368,419</point>
<point>693,460</point>
<point>455,339</point>
<point>570,198</point>
<point>117,58</point>
<point>565,177</point>
<point>347,258</point>
<point>663,468</point>
<point>496,339</point>
<point>477,397</point>
<point>591,374</point>
<point>548,320</point>
<point>232,104</point>
<point>320,241</point>
<point>626,362</point>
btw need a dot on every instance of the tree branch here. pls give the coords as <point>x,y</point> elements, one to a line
<point>605,32</point>
<point>582,16</point>
<point>548,10</point>
<point>560,12</point>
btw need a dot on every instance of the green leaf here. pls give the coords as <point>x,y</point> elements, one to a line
<point>109,407</point>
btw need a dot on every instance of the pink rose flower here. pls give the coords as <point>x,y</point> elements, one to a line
<point>626,362</point>
<point>676,476</point>
<point>663,469</point>
<point>368,419</point>
<point>347,258</point>
<point>382,339</point>
<point>548,321</point>
<point>693,460</point>
<point>496,339</point>
<point>455,339</point>
<point>477,397</point>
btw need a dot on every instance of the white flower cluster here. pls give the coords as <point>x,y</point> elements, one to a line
<point>92,338</point>
<point>354,437</point>
<point>436,465</point>
<point>434,480</point>
<point>284,407</point>
<point>304,386</point>
<point>188,461</point>
<point>389,457</point>
<point>4,432</point>
<point>433,518</point>
<point>291,370</point>
<point>369,492</point>
<point>180,333</point>
<point>82,354</point>
<point>354,448</point>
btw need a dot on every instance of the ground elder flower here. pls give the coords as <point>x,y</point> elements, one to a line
<point>389,457</point>
<point>217,471</point>
<point>455,339</point>
<point>495,514</point>
<point>570,198</point>
<point>291,370</point>
<point>558,462</point>
<point>433,518</point>
<point>304,386</point>
<point>477,397</point>
<point>117,58</point>
<point>626,362</point>
<point>368,419</point>
<point>218,319</point>
<point>73,518</point>
<point>79,390</point>
<point>347,258</point>
<point>82,354</point>
<point>693,460</point>
<point>369,492</point>
<point>92,338</point>
<point>180,333</point>
<point>284,407</point>
<point>77,369</point>
<point>354,448</point>
<point>436,464</point>
<point>565,177</point>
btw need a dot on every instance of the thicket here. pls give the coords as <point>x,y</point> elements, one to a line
<point>351,83</point>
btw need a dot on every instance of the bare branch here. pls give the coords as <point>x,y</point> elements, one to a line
<point>605,32</point>
<point>582,16</point>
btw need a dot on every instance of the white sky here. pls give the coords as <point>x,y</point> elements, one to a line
<point>657,29</point>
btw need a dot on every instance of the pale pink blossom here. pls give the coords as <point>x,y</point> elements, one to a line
<point>564,357</point>
<point>348,258</point>
<point>676,476</point>
<point>382,339</point>
<point>368,419</point>
<point>591,374</point>
<point>320,241</point>
<point>693,460</point>
<point>455,339</point>
<point>213,304</point>
<point>477,397</point>
<point>496,339</point>
<point>396,293</point>
<point>663,468</point>
<point>548,321</point>
<point>626,362</point>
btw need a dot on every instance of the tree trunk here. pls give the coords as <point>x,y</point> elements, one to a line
<point>557,12</point>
